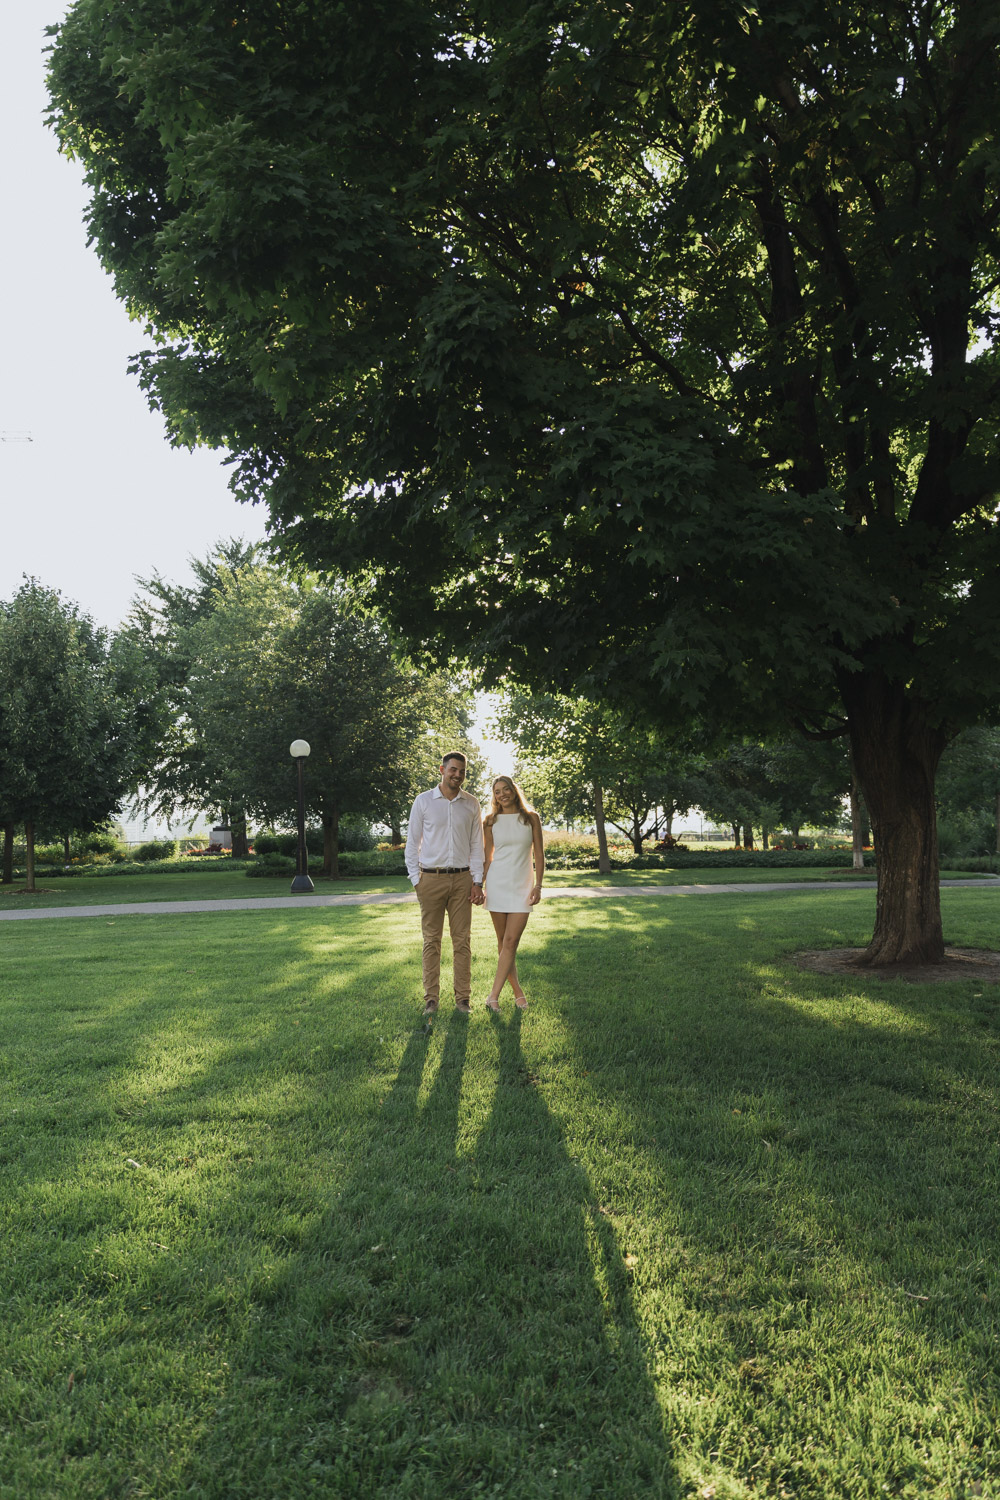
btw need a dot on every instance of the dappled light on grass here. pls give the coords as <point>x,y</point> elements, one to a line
<point>696,1219</point>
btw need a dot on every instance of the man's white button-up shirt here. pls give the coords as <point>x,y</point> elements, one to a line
<point>445,833</point>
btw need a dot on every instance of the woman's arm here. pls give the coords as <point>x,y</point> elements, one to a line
<point>538,853</point>
<point>487,850</point>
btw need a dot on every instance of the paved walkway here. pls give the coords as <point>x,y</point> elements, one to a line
<point>399,898</point>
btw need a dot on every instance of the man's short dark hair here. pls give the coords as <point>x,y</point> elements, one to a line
<point>454,755</point>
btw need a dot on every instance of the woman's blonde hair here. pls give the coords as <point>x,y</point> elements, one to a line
<point>524,810</point>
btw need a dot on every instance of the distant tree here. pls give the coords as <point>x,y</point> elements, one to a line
<point>446,711</point>
<point>256,660</point>
<point>750,784</point>
<point>735,790</point>
<point>584,759</point>
<point>161,620</point>
<point>969,778</point>
<point>76,713</point>
<point>564,756</point>
<point>807,780</point>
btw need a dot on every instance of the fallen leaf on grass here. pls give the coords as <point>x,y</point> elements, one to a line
<point>130,1163</point>
<point>631,1260</point>
<point>69,1384</point>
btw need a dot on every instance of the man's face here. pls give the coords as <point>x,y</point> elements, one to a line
<point>452,775</point>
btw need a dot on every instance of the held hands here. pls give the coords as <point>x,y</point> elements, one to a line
<point>476,895</point>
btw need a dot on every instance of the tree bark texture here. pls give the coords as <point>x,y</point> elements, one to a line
<point>7,877</point>
<point>331,852</point>
<point>603,857</point>
<point>238,825</point>
<point>896,749</point>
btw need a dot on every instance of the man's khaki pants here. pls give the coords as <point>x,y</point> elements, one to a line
<point>440,894</point>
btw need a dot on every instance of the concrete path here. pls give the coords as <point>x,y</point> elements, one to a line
<point>398,898</point>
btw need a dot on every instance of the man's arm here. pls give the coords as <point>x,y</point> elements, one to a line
<point>476,855</point>
<point>414,833</point>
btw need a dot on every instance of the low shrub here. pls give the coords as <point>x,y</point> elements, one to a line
<point>288,843</point>
<point>382,862</point>
<point>353,836</point>
<point>962,834</point>
<point>376,862</point>
<point>270,864</point>
<point>745,859</point>
<point>155,849</point>
<point>980,864</point>
<point>178,866</point>
<point>100,841</point>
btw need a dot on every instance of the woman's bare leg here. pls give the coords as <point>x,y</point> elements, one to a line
<point>499,924</point>
<point>514,924</point>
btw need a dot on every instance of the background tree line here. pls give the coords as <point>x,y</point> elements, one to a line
<point>191,706</point>
<point>584,762</point>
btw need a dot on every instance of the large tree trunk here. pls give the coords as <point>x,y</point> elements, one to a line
<point>747,836</point>
<point>331,852</point>
<point>764,838</point>
<point>238,826</point>
<point>736,835</point>
<point>603,857</point>
<point>636,834</point>
<point>395,834</point>
<point>66,847</point>
<point>29,839</point>
<point>998,829</point>
<point>7,877</point>
<point>896,749</point>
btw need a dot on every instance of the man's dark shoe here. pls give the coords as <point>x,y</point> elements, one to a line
<point>463,1007</point>
<point>430,1007</point>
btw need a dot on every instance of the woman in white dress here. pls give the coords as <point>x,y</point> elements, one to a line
<point>513,838</point>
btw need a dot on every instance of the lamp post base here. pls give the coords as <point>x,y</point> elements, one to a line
<point>301,884</point>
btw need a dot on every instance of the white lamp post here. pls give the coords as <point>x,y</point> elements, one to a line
<point>298,750</point>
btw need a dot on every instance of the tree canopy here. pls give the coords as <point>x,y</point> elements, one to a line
<point>77,711</point>
<point>581,759</point>
<point>255,659</point>
<point>642,346</point>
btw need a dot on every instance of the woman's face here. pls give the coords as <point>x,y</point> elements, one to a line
<point>504,794</point>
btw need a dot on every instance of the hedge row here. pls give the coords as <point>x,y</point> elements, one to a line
<point>744,859</point>
<point>179,866</point>
<point>388,862</point>
<point>352,836</point>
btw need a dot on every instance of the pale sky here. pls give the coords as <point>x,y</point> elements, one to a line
<point>98,495</point>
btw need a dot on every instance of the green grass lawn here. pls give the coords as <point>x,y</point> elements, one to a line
<point>219,885</point>
<point>696,1224</point>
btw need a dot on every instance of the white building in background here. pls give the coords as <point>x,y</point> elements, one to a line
<point>139,829</point>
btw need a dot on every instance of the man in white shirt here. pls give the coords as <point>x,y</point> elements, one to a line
<point>444,860</point>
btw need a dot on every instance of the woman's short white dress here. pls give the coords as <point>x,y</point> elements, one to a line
<point>510,876</point>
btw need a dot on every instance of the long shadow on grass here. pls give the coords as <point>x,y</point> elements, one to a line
<point>460,1321</point>
<point>789,1117</point>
